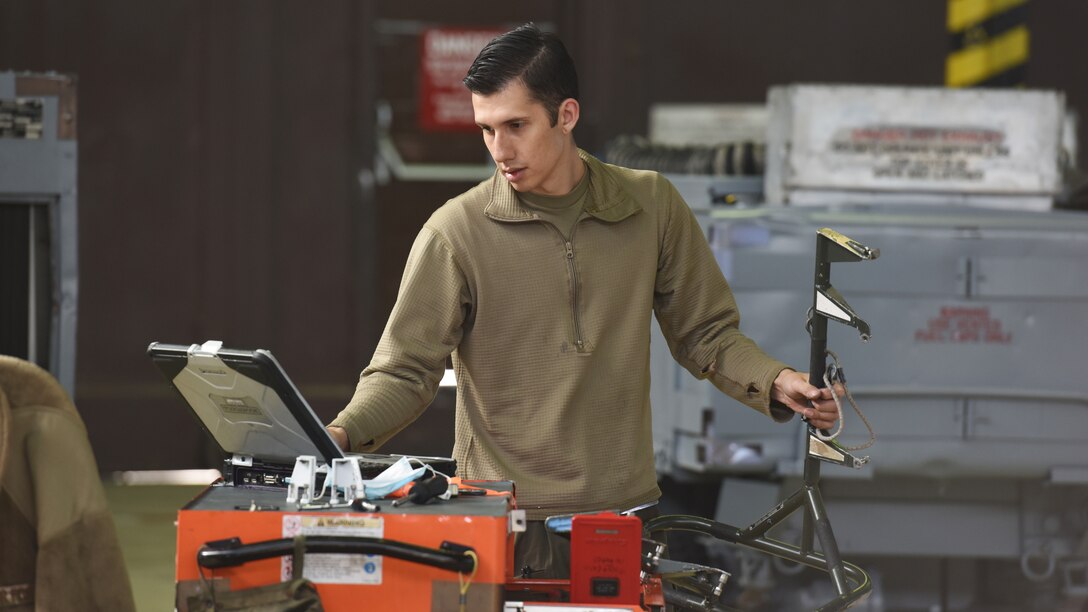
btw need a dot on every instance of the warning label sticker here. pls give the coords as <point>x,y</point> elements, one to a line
<point>923,152</point>
<point>860,138</point>
<point>335,568</point>
<point>964,325</point>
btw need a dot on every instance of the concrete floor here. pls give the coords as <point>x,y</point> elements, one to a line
<point>145,517</point>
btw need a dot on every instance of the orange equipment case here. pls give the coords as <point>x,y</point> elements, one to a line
<point>347,582</point>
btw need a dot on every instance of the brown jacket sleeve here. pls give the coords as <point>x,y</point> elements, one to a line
<point>699,316</point>
<point>402,378</point>
<point>56,527</point>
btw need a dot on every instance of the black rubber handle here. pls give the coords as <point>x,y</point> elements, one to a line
<point>231,553</point>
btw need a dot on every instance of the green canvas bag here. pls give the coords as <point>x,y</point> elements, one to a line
<point>296,595</point>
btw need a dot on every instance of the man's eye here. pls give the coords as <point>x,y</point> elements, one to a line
<point>487,130</point>
<point>515,125</point>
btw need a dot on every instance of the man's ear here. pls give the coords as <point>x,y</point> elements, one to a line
<point>569,111</point>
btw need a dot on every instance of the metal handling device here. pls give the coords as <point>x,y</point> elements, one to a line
<point>850,581</point>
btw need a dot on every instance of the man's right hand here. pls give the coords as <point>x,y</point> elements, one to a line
<point>340,436</point>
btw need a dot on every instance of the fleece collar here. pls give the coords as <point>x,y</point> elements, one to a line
<point>606,200</point>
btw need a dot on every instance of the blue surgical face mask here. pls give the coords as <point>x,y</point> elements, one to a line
<point>391,479</point>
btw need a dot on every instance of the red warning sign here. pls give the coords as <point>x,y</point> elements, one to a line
<point>964,325</point>
<point>444,102</point>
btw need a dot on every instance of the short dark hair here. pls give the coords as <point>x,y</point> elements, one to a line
<point>538,58</point>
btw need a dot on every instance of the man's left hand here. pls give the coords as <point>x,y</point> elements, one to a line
<point>793,390</point>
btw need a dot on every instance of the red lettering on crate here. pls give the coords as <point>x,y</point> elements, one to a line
<point>964,325</point>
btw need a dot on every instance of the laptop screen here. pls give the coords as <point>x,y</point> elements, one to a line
<point>246,401</point>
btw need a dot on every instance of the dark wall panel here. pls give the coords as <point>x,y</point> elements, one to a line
<point>219,146</point>
<point>703,51</point>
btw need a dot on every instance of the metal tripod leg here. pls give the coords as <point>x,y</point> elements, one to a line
<point>816,521</point>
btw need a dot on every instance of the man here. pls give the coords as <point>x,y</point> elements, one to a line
<point>540,282</point>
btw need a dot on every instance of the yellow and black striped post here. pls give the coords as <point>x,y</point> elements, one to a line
<point>989,43</point>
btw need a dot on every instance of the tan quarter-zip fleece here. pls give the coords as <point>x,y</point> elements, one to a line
<point>550,338</point>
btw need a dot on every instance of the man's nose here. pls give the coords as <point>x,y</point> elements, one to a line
<point>500,148</point>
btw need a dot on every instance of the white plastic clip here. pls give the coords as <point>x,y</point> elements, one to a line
<point>208,349</point>
<point>344,476</point>
<point>518,523</point>
<point>300,489</point>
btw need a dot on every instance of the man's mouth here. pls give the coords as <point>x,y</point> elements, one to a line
<point>513,174</point>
